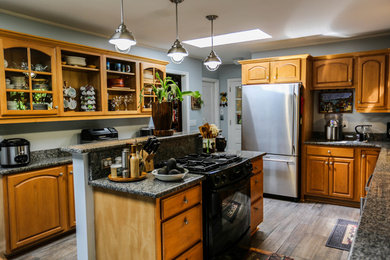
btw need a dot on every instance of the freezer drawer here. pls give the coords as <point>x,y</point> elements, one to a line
<point>281,175</point>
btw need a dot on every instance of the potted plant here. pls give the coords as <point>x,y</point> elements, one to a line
<point>166,92</point>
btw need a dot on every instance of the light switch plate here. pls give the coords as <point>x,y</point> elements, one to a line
<point>106,163</point>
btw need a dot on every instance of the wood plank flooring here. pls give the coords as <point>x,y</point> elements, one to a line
<point>298,230</point>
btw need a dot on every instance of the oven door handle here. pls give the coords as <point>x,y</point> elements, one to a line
<point>277,160</point>
<point>231,185</point>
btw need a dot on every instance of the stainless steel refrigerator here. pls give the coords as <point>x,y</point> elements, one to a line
<point>270,123</point>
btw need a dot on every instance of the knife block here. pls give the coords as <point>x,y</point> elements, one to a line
<point>148,160</point>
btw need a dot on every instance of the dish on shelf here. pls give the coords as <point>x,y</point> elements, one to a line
<point>91,66</point>
<point>76,61</point>
<point>116,83</point>
<point>169,177</point>
<point>5,63</point>
<point>63,62</point>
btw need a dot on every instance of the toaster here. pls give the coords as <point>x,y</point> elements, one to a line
<point>14,152</point>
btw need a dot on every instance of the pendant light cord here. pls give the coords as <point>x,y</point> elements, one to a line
<point>212,35</point>
<point>177,24</point>
<point>122,15</point>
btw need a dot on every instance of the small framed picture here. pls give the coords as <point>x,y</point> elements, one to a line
<point>196,103</point>
<point>336,101</point>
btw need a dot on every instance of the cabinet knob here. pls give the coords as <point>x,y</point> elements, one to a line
<point>186,221</point>
<point>56,107</point>
<point>363,155</point>
<point>256,181</point>
<point>185,200</point>
<point>267,77</point>
<point>331,163</point>
<point>350,80</point>
<point>274,77</point>
<point>326,163</point>
<point>255,208</point>
<point>71,172</point>
<point>328,151</point>
<point>359,102</point>
<point>61,173</point>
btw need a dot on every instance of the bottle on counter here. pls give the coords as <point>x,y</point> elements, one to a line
<point>141,160</point>
<point>134,163</point>
<point>126,163</point>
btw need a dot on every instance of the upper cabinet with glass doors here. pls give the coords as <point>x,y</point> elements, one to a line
<point>148,79</point>
<point>27,78</point>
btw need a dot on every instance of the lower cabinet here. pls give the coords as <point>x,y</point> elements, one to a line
<point>338,173</point>
<point>35,206</point>
<point>256,195</point>
<point>136,227</point>
<point>71,209</point>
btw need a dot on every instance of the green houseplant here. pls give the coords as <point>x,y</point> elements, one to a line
<point>166,92</point>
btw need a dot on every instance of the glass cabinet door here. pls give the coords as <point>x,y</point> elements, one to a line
<point>29,79</point>
<point>148,79</point>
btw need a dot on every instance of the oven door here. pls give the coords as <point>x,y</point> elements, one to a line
<point>229,217</point>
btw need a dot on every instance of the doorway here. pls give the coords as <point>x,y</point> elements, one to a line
<point>234,114</point>
<point>210,97</point>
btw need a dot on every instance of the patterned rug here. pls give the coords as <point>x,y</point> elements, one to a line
<point>258,254</point>
<point>342,235</point>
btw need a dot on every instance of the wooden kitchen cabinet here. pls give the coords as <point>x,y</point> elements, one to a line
<point>372,89</point>
<point>71,204</point>
<point>278,71</point>
<point>368,158</point>
<point>333,73</point>
<point>329,172</point>
<point>35,206</point>
<point>256,184</point>
<point>164,228</point>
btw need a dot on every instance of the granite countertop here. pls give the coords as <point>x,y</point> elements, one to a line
<point>41,159</point>
<point>150,187</point>
<point>372,239</point>
<point>344,143</point>
<point>101,146</point>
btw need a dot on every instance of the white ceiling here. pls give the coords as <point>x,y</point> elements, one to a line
<point>290,22</point>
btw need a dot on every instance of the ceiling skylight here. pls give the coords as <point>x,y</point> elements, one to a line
<point>244,36</point>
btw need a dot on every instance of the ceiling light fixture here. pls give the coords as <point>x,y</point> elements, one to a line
<point>212,61</point>
<point>122,38</point>
<point>229,38</point>
<point>177,52</point>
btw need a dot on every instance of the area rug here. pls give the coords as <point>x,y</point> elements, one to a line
<point>258,254</point>
<point>342,235</point>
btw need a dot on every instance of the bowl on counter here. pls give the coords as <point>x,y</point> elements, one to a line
<point>169,177</point>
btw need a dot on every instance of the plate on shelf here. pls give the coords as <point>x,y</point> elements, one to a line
<point>169,177</point>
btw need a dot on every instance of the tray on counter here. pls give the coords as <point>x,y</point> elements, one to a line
<point>120,179</point>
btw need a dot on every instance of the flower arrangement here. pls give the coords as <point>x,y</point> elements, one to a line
<point>209,132</point>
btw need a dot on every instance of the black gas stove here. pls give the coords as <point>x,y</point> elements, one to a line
<point>226,202</point>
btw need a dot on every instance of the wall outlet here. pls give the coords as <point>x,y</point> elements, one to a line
<point>106,163</point>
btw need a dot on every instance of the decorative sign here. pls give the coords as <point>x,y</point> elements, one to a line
<point>336,102</point>
<point>196,103</point>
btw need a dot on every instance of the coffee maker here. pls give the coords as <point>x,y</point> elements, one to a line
<point>363,132</point>
<point>334,127</point>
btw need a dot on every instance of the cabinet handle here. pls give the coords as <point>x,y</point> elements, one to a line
<point>256,181</point>
<point>330,163</point>
<point>328,151</point>
<point>350,80</point>
<point>267,77</point>
<point>185,200</point>
<point>186,221</point>
<point>359,102</point>
<point>56,107</point>
<point>326,163</point>
<point>274,77</point>
<point>255,208</point>
<point>71,172</point>
<point>61,173</point>
<point>363,155</point>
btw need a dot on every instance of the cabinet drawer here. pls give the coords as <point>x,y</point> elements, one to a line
<point>256,186</point>
<point>181,201</point>
<point>256,214</point>
<point>181,232</point>
<point>330,151</point>
<point>195,253</point>
<point>257,165</point>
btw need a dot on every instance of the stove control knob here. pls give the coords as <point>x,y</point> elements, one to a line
<point>217,180</point>
<point>223,177</point>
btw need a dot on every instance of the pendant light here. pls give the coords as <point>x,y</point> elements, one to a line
<point>212,61</point>
<point>122,38</point>
<point>177,52</point>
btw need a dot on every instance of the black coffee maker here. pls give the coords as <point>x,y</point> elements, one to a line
<point>363,132</point>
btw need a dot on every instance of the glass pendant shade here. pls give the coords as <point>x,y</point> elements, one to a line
<point>212,61</point>
<point>122,38</point>
<point>177,52</point>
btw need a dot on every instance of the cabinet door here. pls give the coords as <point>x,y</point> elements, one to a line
<point>333,73</point>
<point>317,168</point>
<point>71,212</point>
<point>256,186</point>
<point>285,71</point>
<point>256,73</point>
<point>256,214</point>
<point>341,177</point>
<point>36,205</point>
<point>149,78</point>
<point>368,160</point>
<point>371,83</point>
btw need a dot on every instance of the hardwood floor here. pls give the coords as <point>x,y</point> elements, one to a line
<point>298,230</point>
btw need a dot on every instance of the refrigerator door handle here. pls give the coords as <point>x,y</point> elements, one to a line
<point>277,160</point>
<point>295,104</point>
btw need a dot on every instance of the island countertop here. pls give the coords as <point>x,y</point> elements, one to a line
<point>149,187</point>
<point>372,239</point>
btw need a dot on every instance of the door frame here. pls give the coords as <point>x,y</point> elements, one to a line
<point>216,96</point>
<point>230,115</point>
<point>185,86</point>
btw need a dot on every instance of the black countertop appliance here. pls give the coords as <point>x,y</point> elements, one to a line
<point>98,135</point>
<point>15,152</point>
